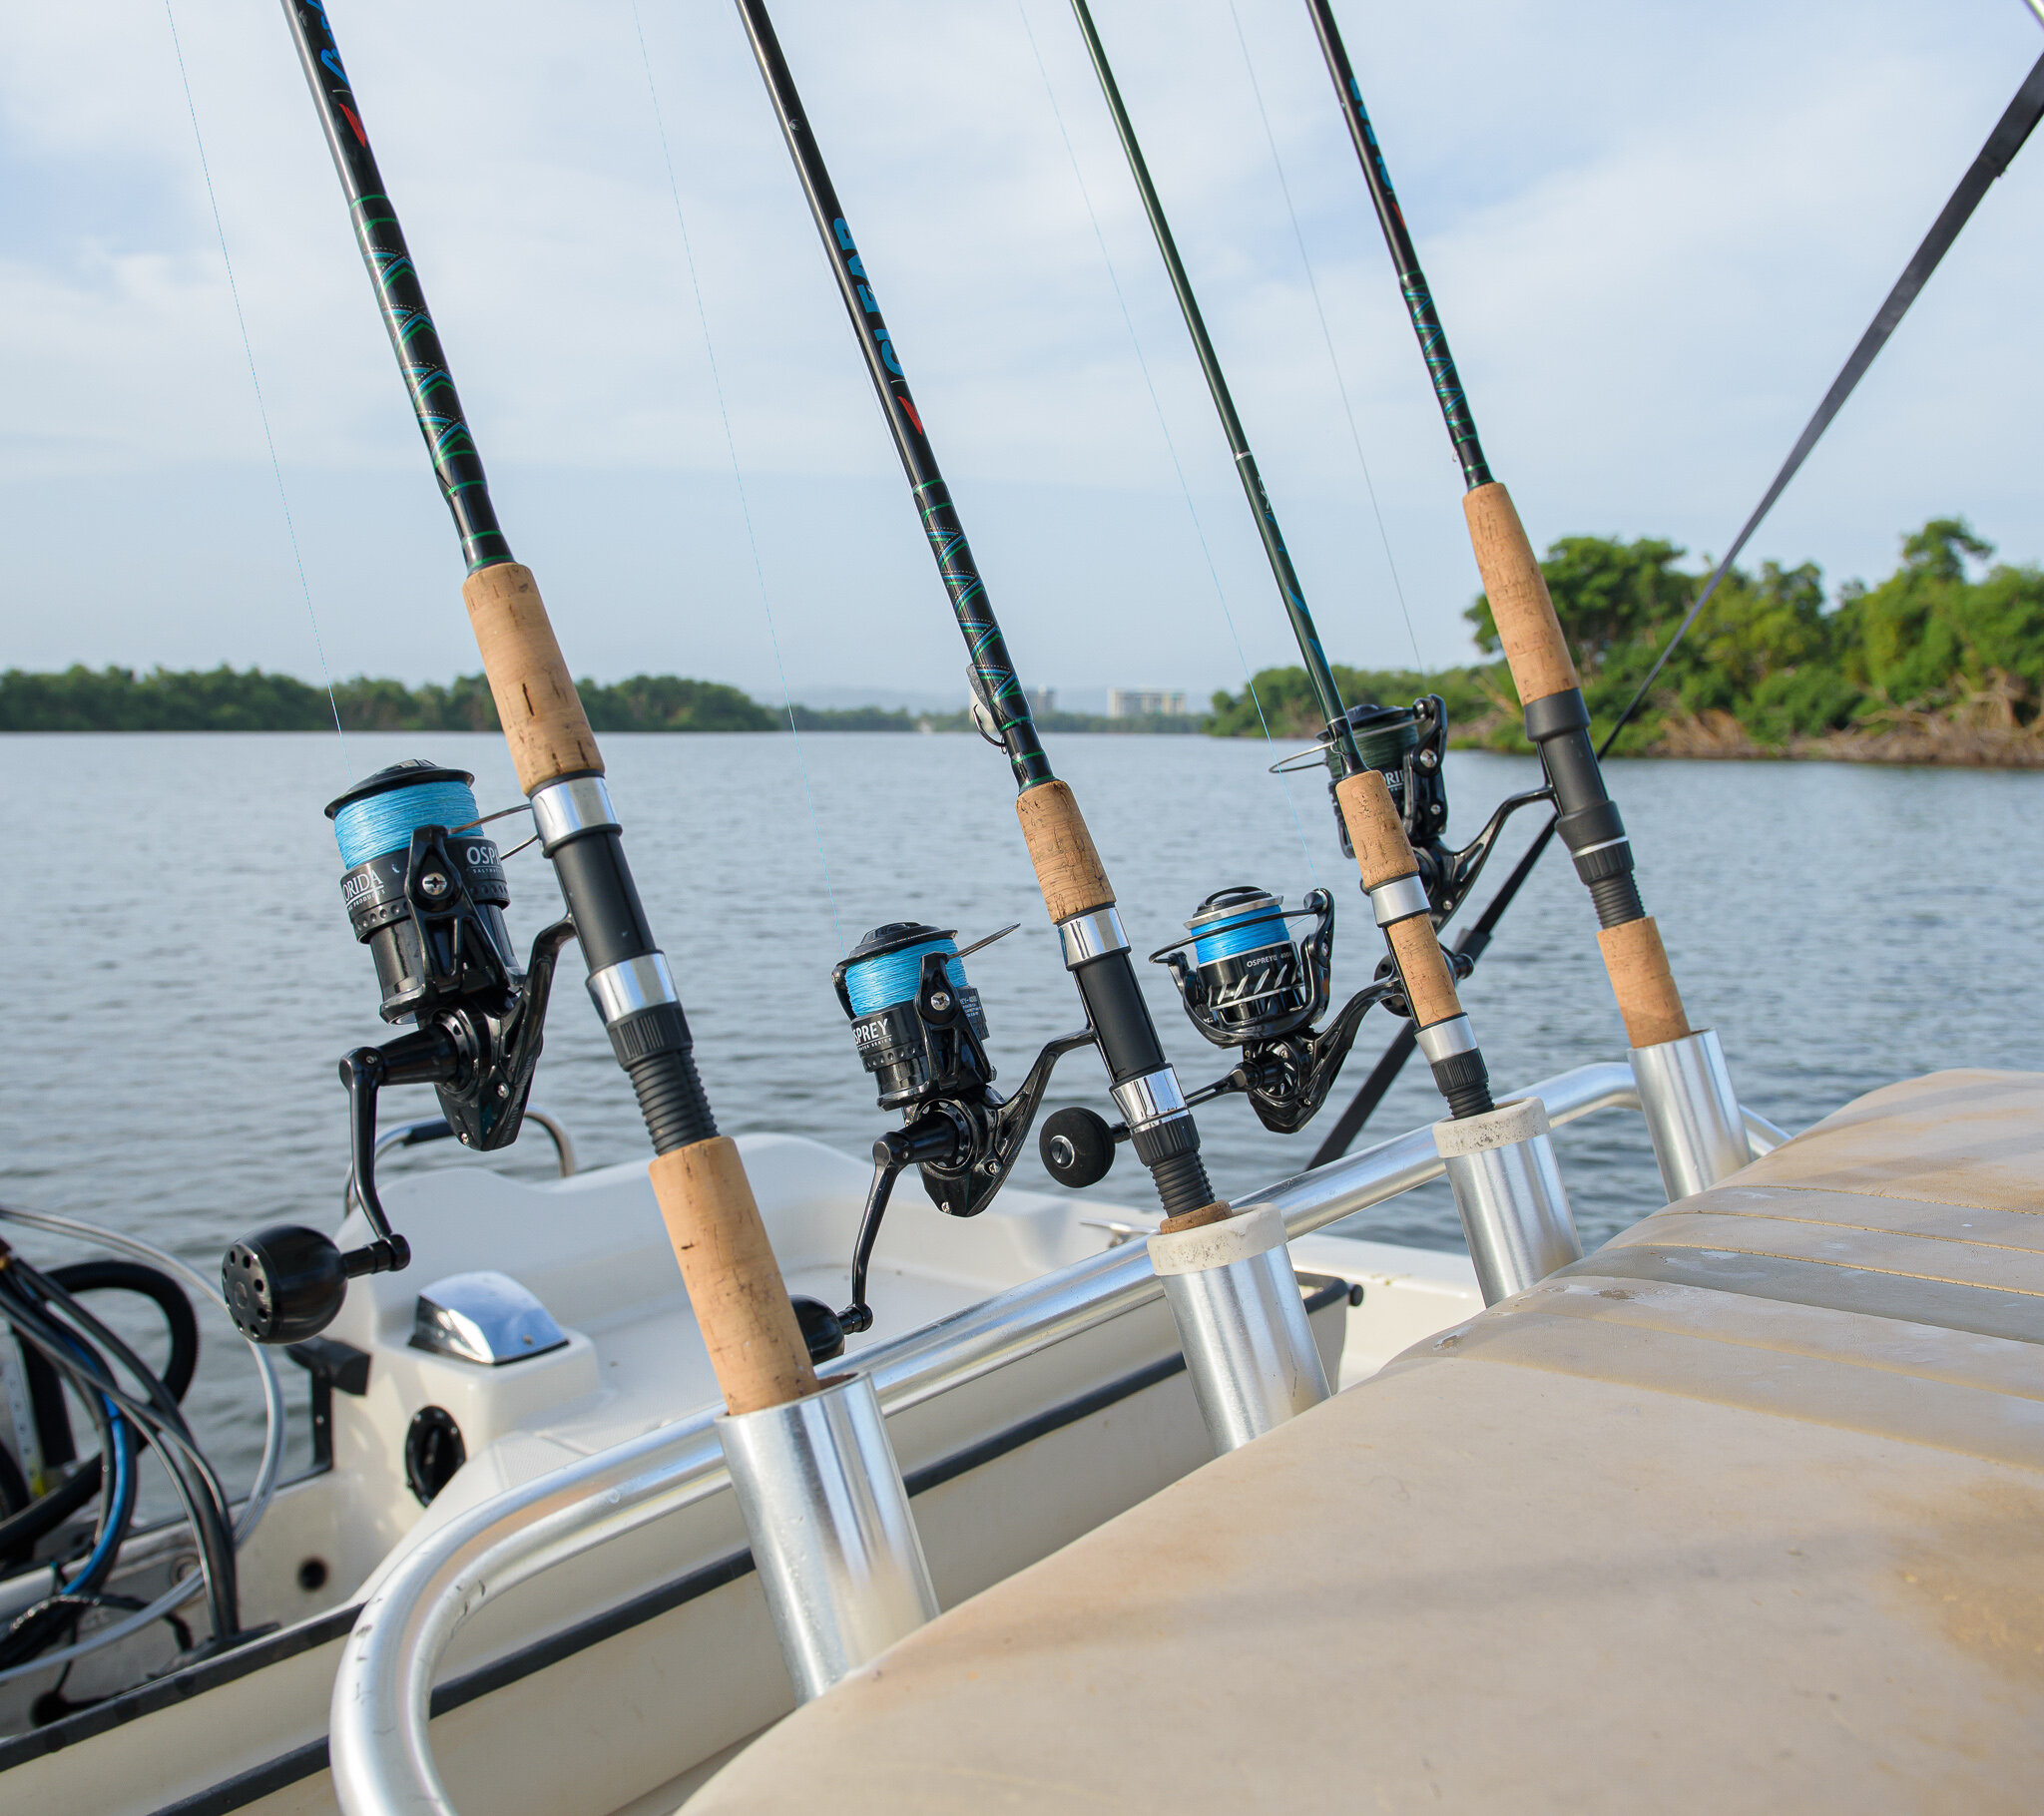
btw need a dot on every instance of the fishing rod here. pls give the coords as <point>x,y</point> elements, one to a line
<point>425,890</point>
<point>1384,762</point>
<point>1685,1089</point>
<point>1226,1275</point>
<point>1500,1162</point>
<point>816,1482</point>
<point>917,1023</point>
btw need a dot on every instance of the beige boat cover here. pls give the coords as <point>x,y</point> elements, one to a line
<point>1744,1512</point>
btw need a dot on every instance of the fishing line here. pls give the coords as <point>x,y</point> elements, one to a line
<point>1326,336</point>
<point>736,473</point>
<point>1164,427</point>
<point>255,383</point>
<point>2002,144</point>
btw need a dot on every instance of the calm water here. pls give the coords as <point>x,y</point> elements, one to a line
<point>184,979</point>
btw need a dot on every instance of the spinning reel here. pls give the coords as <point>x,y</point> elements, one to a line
<point>921,1033</point>
<point>426,893</point>
<point>1245,984</point>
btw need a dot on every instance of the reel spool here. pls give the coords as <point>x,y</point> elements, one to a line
<point>426,891</point>
<point>921,1033</point>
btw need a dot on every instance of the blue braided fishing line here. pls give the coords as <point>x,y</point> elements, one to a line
<point>1260,927</point>
<point>880,983</point>
<point>385,823</point>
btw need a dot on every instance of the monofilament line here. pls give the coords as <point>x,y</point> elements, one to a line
<point>255,383</point>
<point>1340,384</point>
<point>1164,428</point>
<point>738,476</point>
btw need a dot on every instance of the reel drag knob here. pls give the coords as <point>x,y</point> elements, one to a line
<point>1076,1147</point>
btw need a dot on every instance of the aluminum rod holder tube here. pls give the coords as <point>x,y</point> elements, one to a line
<point>1515,1214</point>
<point>1692,1111</point>
<point>833,1537</point>
<point>1242,1322</point>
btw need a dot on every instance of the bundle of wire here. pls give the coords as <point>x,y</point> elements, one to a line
<point>130,1410</point>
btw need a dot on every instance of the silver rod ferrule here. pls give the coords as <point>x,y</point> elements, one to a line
<point>632,985</point>
<point>1399,900</point>
<point>1091,935</point>
<point>567,809</point>
<point>1445,1040</point>
<point>1149,1098</point>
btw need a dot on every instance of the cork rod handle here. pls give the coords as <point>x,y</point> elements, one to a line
<point>1517,591</point>
<point>1645,986</point>
<point>734,1281</point>
<point>537,703</point>
<point>1068,869</point>
<point>1382,855</point>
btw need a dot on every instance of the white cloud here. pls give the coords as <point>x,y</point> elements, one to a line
<point>1654,232</point>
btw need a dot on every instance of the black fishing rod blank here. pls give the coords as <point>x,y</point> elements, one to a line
<point>799,1450</point>
<point>1685,1087</point>
<point>1228,1276</point>
<point>1075,885</point>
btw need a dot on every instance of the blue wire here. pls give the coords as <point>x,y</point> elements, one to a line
<point>880,983</point>
<point>384,823</point>
<point>122,1502</point>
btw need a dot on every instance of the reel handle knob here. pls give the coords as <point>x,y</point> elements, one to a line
<point>286,1283</point>
<point>1077,1147</point>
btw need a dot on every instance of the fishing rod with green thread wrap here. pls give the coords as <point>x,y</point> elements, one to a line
<point>426,891</point>
<point>1376,801</point>
<point>915,1019</point>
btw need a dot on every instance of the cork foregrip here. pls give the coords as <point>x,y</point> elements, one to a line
<point>1382,855</point>
<point>742,1307</point>
<point>1068,869</point>
<point>537,703</point>
<point>1428,982</point>
<point>1512,582</point>
<point>1383,851</point>
<point>1641,981</point>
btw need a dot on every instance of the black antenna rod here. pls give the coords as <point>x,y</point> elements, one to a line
<point>1074,886</point>
<point>1376,829</point>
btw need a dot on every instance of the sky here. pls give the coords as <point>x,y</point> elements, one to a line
<point>1654,231</point>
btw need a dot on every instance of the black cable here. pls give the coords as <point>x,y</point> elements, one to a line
<point>2016,123</point>
<point>196,1486</point>
<point>13,1485</point>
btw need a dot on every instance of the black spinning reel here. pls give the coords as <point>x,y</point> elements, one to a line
<point>428,901</point>
<point>921,1033</point>
<point>1245,984</point>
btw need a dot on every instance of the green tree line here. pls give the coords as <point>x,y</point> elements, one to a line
<point>1930,665</point>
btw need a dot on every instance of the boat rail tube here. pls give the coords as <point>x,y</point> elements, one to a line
<point>380,1748</point>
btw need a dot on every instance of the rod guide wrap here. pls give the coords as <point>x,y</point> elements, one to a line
<point>1068,869</point>
<point>537,703</point>
<point>1642,984</point>
<point>733,1279</point>
<point>1517,591</point>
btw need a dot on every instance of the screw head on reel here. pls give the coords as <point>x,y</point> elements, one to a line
<point>1076,1147</point>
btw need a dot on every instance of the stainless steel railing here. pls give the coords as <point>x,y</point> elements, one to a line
<point>380,1749</point>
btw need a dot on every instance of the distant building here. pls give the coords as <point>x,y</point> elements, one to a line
<point>1144,702</point>
<point>1042,700</point>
